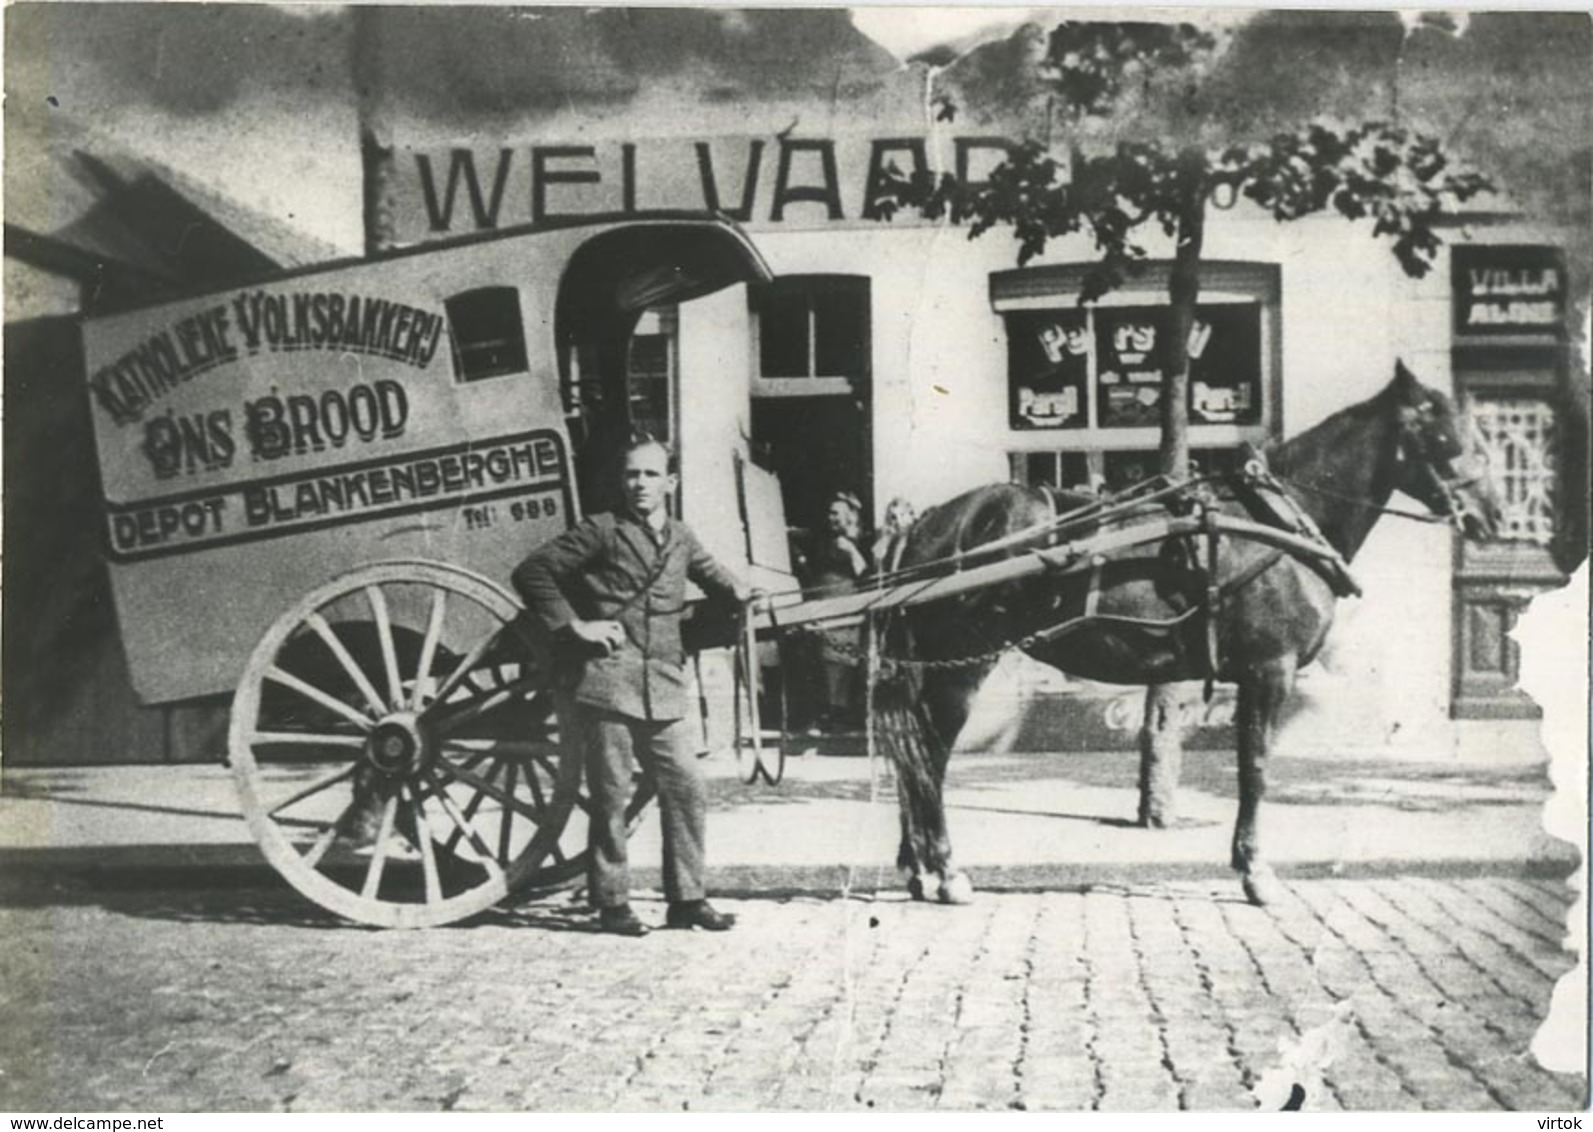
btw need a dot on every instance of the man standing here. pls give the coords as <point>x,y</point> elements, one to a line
<point>612,590</point>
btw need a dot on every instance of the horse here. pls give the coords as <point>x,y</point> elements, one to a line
<point>1232,610</point>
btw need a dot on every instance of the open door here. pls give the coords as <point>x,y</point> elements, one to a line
<point>811,393</point>
<point>610,282</point>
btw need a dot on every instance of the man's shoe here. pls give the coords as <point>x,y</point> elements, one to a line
<point>621,921</point>
<point>698,914</point>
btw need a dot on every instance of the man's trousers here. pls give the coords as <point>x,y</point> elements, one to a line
<point>612,746</point>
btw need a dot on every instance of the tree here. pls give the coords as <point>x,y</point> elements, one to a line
<point>1143,125</point>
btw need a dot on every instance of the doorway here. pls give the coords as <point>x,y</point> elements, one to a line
<point>817,446</point>
<point>811,410</point>
<point>810,393</point>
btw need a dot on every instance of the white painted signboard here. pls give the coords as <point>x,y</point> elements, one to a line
<point>257,442</point>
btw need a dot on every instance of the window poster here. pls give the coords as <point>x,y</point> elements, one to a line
<point>1048,368</point>
<point>1225,365</point>
<point>1130,365</point>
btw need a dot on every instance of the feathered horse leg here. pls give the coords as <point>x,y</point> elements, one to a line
<point>920,711</point>
<point>909,735</point>
<point>898,732</point>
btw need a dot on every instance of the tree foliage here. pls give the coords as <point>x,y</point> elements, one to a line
<point>1148,75</point>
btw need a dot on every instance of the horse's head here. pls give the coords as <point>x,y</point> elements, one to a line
<point>1440,463</point>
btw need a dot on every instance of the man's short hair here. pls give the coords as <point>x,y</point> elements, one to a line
<point>641,438</point>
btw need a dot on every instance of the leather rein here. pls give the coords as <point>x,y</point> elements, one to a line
<point>1447,487</point>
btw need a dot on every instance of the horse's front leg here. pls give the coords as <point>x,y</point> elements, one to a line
<point>925,852</point>
<point>916,723</point>
<point>948,701</point>
<point>1263,690</point>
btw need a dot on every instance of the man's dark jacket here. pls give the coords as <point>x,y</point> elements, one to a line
<point>613,567</point>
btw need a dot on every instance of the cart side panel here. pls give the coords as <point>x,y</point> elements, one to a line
<point>255,443</point>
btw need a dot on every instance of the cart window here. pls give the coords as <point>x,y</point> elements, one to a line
<point>650,376</point>
<point>488,335</point>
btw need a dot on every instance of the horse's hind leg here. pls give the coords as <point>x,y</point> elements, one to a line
<point>1263,690</point>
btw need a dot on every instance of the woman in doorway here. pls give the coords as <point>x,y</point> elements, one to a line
<point>900,515</point>
<point>837,563</point>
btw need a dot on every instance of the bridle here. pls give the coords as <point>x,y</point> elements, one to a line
<point>1445,495</point>
<point>1416,447</point>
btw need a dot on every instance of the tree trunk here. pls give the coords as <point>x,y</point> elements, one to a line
<point>1161,738</point>
<point>376,143</point>
<point>1161,754</point>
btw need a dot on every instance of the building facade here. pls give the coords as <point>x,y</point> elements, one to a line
<point>896,358</point>
<point>893,357</point>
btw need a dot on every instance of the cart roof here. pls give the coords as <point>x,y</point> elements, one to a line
<point>653,257</point>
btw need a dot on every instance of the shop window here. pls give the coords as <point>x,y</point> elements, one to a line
<point>1085,382</point>
<point>813,327</point>
<point>487,333</point>
<point>1112,471</point>
<point>1103,368</point>
<point>1067,470</point>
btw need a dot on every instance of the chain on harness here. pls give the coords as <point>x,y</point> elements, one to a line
<point>1161,490</point>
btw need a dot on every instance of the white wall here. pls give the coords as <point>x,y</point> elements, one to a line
<point>1348,311</point>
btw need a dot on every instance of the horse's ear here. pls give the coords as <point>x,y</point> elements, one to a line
<point>1405,385</point>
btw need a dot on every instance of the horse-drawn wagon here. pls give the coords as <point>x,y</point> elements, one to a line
<point>313,489</point>
<point>313,485</point>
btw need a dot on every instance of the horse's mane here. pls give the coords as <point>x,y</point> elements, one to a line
<point>1327,442</point>
<point>1346,459</point>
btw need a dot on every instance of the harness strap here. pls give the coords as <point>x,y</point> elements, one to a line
<point>1369,505</point>
<point>1331,565</point>
<point>1215,595</point>
<point>1213,587</point>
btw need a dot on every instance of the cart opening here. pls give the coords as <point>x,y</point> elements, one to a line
<point>610,282</point>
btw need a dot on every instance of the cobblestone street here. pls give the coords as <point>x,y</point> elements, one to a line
<point>1411,992</point>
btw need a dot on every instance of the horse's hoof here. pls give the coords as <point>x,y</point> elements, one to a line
<point>915,887</point>
<point>1262,887</point>
<point>956,889</point>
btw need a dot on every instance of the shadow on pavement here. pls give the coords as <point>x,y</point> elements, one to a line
<point>208,895</point>
<point>1425,787</point>
<point>256,897</point>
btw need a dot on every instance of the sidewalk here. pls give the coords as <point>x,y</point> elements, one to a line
<point>1015,820</point>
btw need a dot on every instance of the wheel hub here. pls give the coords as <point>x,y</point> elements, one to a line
<point>398,747</point>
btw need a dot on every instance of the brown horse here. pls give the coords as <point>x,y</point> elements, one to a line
<point>1228,609</point>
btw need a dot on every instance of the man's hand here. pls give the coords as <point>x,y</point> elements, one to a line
<point>606,635</point>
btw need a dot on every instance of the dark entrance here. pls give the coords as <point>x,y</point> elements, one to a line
<point>810,393</point>
<point>817,446</point>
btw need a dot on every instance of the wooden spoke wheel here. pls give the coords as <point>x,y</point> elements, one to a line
<point>396,750</point>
